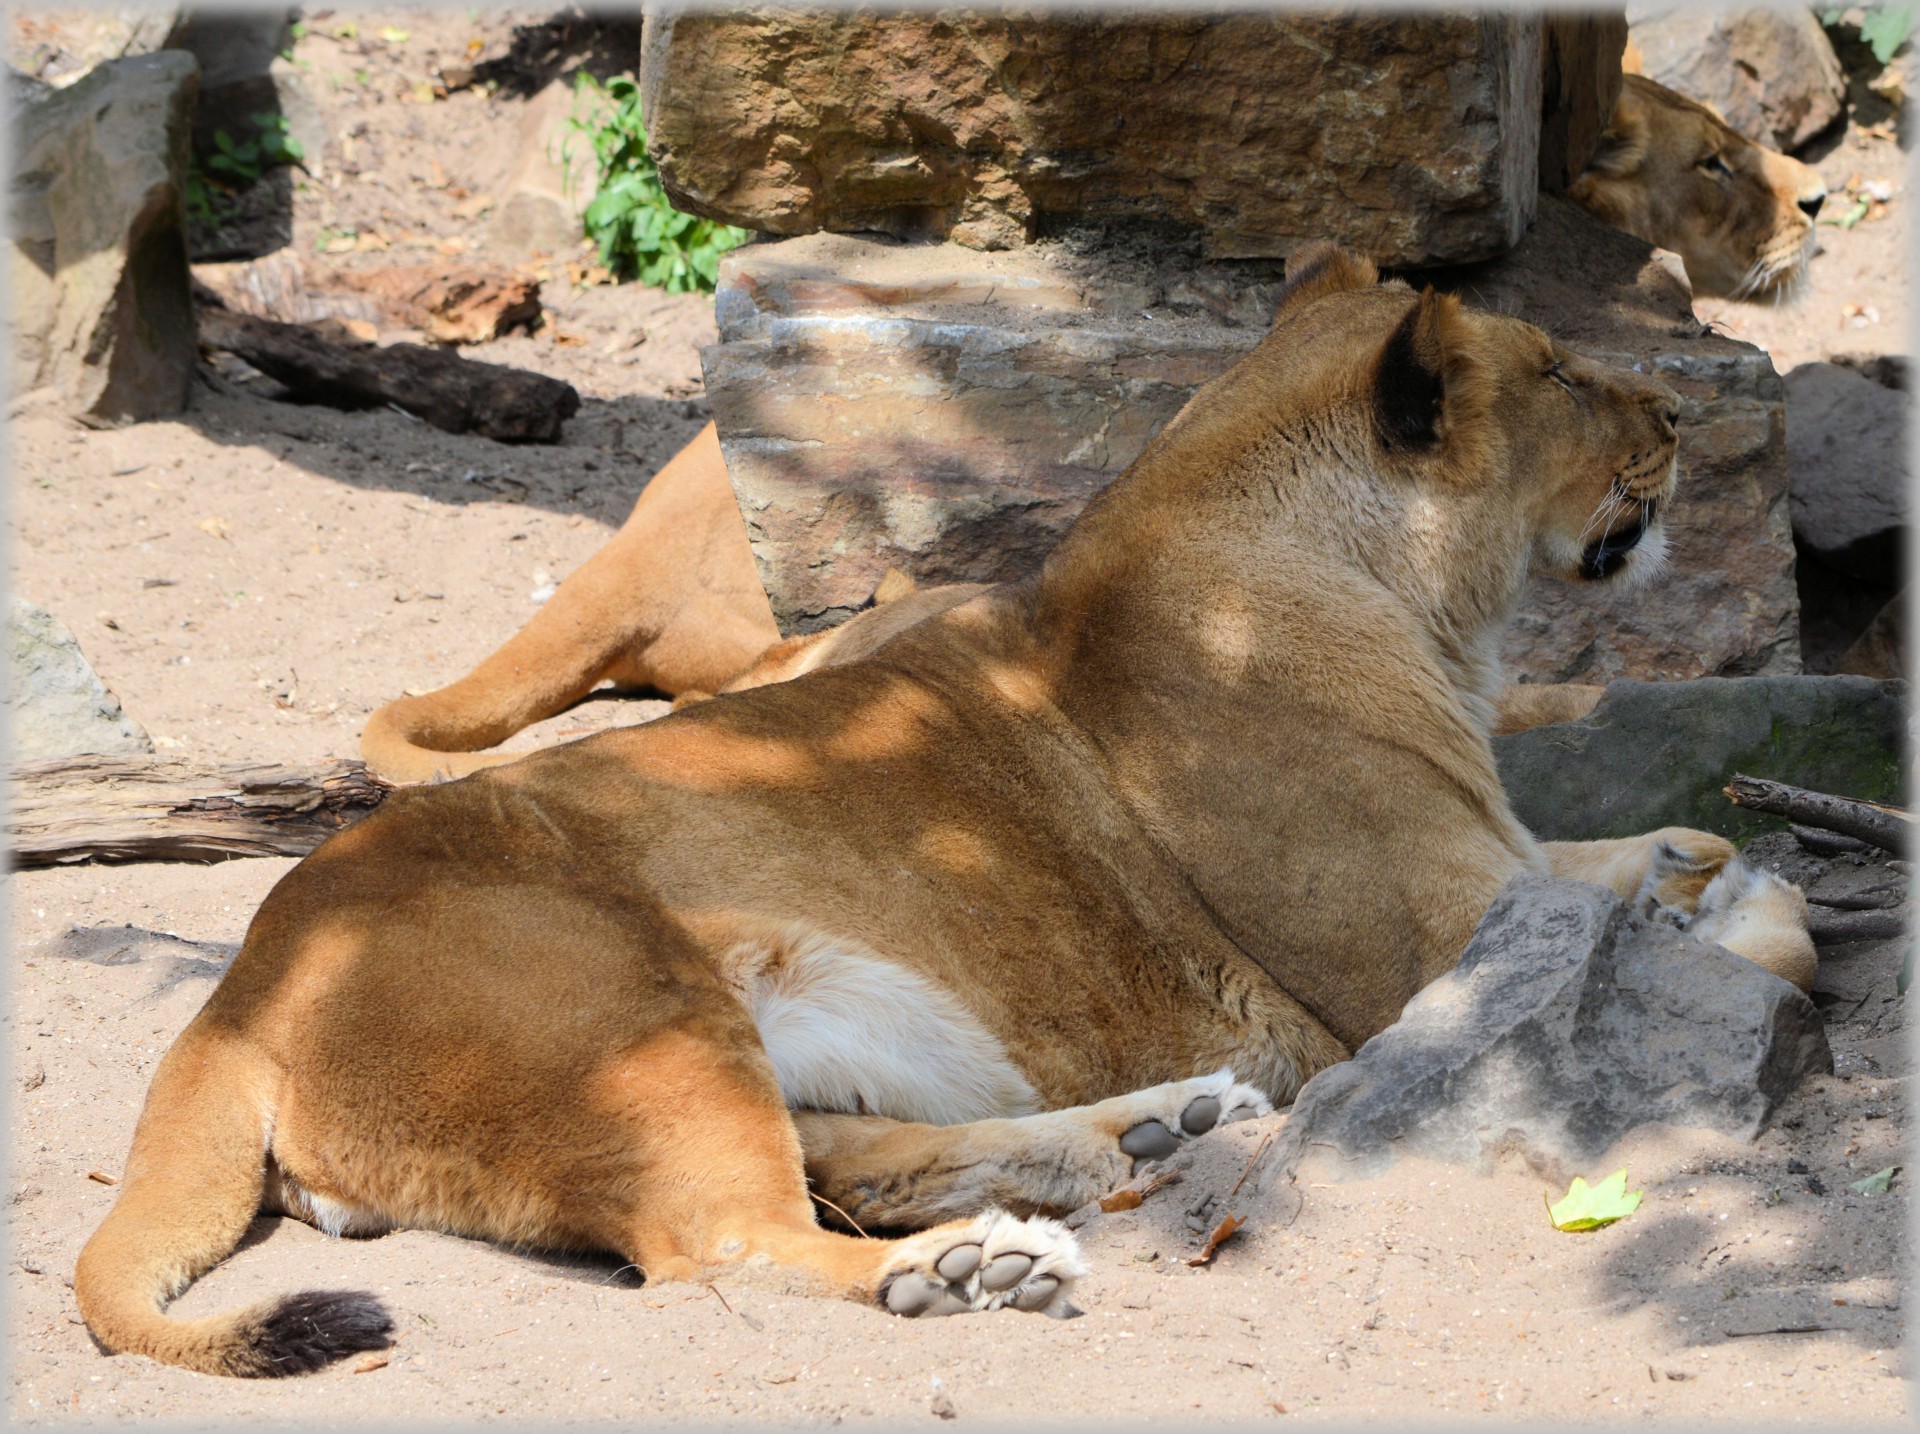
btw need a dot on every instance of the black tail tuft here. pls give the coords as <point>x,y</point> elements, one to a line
<point>310,1330</point>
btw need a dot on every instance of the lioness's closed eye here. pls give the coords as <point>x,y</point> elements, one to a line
<point>1670,171</point>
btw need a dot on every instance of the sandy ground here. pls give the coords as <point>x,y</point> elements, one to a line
<point>254,577</point>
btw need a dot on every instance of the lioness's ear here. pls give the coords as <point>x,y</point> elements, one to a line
<point>1410,384</point>
<point>1321,267</point>
<point>1623,144</point>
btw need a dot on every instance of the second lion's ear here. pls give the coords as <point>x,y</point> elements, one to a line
<point>1623,144</point>
<point>1321,267</point>
<point>1410,381</point>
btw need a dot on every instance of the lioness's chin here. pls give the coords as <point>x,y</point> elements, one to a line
<point>1623,559</point>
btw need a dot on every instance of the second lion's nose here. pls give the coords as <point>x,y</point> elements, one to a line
<point>1810,206</point>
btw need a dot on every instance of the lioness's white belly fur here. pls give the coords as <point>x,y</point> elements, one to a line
<point>852,1033</point>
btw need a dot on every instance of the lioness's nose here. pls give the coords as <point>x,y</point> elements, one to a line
<point>1810,203</point>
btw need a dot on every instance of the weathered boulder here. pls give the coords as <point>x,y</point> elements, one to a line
<point>949,412</point>
<point>1882,649</point>
<point>1847,454</point>
<point>57,705</point>
<point>1415,136</point>
<point>1656,754</point>
<point>1568,1023</point>
<point>59,46</point>
<point>101,307</point>
<point>1769,69</point>
<point>945,410</point>
<point>549,180</point>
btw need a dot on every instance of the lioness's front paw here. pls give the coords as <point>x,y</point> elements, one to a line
<point>1158,1120</point>
<point>1679,868</point>
<point>995,1261</point>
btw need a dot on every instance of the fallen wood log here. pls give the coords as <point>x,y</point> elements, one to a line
<point>457,304</point>
<point>1828,925</point>
<point>452,393</point>
<point>136,808</point>
<point>451,303</point>
<point>1886,827</point>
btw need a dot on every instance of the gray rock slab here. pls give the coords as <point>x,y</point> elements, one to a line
<point>1567,1024</point>
<point>57,705</point>
<point>1847,470</point>
<point>101,308</point>
<point>1769,69</point>
<point>1656,754</point>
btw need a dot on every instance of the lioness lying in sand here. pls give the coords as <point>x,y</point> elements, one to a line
<point>954,932</point>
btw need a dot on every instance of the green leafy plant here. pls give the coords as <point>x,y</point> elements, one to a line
<point>214,181</point>
<point>639,232</point>
<point>1883,28</point>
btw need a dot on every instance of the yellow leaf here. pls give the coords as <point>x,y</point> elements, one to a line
<point>1589,1207</point>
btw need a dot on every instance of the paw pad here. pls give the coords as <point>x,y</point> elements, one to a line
<point>996,1262</point>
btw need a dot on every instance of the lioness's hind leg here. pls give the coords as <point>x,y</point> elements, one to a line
<point>717,1180</point>
<point>882,1173</point>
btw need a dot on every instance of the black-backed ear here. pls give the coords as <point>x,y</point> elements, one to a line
<point>1409,386</point>
<point>1321,267</point>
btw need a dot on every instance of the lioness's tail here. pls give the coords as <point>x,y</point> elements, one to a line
<point>193,1182</point>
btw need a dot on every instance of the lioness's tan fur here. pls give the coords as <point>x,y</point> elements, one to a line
<point>1087,863</point>
<point>1672,172</point>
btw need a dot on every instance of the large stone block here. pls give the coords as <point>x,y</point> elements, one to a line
<point>101,306</point>
<point>1656,754</point>
<point>1416,136</point>
<point>949,412</point>
<point>1769,69</point>
<point>1567,1024</point>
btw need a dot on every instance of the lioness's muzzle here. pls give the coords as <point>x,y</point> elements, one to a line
<point>1607,554</point>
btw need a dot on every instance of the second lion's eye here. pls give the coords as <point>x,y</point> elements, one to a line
<point>1559,376</point>
<point>1715,165</point>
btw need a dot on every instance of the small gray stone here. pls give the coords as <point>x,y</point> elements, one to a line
<point>1568,1023</point>
<point>57,704</point>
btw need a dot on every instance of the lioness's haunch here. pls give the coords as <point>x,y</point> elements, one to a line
<point>956,929</point>
<point>1673,173</point>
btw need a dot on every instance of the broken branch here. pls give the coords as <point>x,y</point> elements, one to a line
<point>93,807</point>
<point>1886,827</point>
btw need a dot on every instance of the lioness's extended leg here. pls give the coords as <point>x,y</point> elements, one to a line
<point>672,601</point>
<point>893,1174</point>
<point>1536,704</point>
<point>1699,880</point>
<point>1624,863</point>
